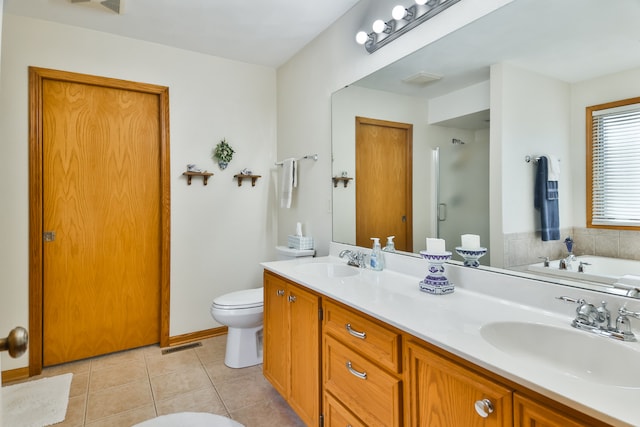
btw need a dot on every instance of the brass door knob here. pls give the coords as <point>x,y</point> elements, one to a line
<point>16,342</point>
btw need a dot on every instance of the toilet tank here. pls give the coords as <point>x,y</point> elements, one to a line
<point>283,253</point>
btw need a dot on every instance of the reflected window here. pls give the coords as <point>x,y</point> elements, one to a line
<point>613,159</point>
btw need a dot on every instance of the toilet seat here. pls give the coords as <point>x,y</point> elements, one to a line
<point>248,298</point>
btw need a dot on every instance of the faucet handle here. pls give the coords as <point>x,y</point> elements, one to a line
<point>545,259</point>
<point>623,324</point>
<point>624,312</point>
<point>580,301</point>
<point>581,266</point>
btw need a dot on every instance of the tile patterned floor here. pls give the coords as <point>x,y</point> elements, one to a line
<point>125,388</point>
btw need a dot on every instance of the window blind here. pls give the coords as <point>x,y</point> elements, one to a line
<point>616,166</point>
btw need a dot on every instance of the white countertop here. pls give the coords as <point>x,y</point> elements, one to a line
<point>453,322</point>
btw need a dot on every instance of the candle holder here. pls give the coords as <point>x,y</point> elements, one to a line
<point>435,281</point>
<point>471,256</point>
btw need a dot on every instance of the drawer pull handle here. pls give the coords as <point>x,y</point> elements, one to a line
<point>361,375</point>
<point>484,407</point>
<point>361,335</point>
<point>280,292</point>
<point>292,298</point>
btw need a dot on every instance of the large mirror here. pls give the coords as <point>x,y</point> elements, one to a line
<point>476,112</point>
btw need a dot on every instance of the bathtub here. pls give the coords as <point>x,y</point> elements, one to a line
<point>621,272</point>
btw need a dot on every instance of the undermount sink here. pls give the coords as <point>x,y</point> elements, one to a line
<point>328,269</point>
<point>577,353</point>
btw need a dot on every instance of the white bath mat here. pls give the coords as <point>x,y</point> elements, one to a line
<point>36,403</point>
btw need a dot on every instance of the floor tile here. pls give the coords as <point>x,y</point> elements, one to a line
<point>126,388</point>
<point>114,400</point>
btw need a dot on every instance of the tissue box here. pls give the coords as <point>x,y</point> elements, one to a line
<point>300,242</point>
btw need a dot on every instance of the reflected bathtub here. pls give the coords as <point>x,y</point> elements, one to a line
<point>621,272</point>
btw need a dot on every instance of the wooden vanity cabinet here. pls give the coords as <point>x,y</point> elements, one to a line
<point>362,369</point>
<point>291,358</point>
<point>442,393</point>
<point>530,413</point>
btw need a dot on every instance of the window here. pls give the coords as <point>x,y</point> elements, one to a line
<point>613,165</point>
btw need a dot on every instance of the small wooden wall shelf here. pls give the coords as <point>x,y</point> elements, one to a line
<point>241,177</point>
<point>344,179</point>
<point>205,176</point>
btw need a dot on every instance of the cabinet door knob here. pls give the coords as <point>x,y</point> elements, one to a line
<point>484,407</point>
<point>361,335</point>
<point>280,292</point>
<point>292,298</point>
<point>361,375</point>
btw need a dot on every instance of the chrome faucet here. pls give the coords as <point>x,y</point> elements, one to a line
<point>598,320</point>
<point>581,266</point>
<point>565,263</point>
<point>354,258</point>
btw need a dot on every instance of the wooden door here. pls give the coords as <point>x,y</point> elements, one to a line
<point>528,413</point>
<point>441,393</point>
<point>304,321</point>
<point>276,333</point>
<point>384,182</point>
<point>103,154</point>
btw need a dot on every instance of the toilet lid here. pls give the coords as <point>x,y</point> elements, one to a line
<point>247,298</point>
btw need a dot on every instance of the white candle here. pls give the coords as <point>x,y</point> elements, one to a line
<point>470,241</point>
<point>435,246</point>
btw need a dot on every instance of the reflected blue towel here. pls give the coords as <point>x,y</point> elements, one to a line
<point>546,203</point>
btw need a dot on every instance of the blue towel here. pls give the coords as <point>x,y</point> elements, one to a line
<point>547,203</point>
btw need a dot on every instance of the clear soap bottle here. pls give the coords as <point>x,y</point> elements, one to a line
<point>376,261</point>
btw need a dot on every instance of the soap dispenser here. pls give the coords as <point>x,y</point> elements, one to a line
<point>390,247</point>
<point>375,260</point>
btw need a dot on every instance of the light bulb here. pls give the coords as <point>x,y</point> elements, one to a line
<point>398,12</point>
<point>379,26</point>
<point>362,37</point>
<point>421,2</point>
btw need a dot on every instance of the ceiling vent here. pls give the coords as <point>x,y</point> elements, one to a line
<point>422,78</point>
<point>116,6</point>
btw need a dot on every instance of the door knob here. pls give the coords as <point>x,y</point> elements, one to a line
<point>15,342</point>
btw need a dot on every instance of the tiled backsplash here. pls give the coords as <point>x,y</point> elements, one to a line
<point>527,248</point>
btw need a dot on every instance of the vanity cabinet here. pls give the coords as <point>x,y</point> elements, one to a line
<point>327,358</point>
<point>362,369</point>
<point>442,393</point>
<point>291,359</point>
<point>529,413</point>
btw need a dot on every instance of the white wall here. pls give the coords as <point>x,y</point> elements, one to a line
<point>530,115</point>
<point>219,233</point>
<point>330,62</point>
<point>593,92</point>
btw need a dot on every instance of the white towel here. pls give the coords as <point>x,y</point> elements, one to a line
<point>553,168</point>
<point>288,183</point>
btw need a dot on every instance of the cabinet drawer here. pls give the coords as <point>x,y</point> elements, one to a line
<point>370,338</point>
<point>371,393</point>
<point>336,415</point>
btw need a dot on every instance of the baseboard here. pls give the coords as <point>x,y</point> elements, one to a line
<point>195,336</point>
<point>15,374</point>
<point>23,373</point>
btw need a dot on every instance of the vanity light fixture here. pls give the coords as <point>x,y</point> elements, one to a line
<point>403,20</point>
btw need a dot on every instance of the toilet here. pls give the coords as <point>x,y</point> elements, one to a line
<point>242,313</point>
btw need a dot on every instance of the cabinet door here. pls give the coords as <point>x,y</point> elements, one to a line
<point>531,414</point>
<point>441,393</point>
<point>304,327</point>
<point>276,333</point>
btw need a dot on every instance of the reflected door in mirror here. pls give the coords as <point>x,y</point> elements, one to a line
<point>384,182</point>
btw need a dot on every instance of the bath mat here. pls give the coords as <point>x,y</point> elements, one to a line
<point>36,403</point>
<point>190,419</point>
